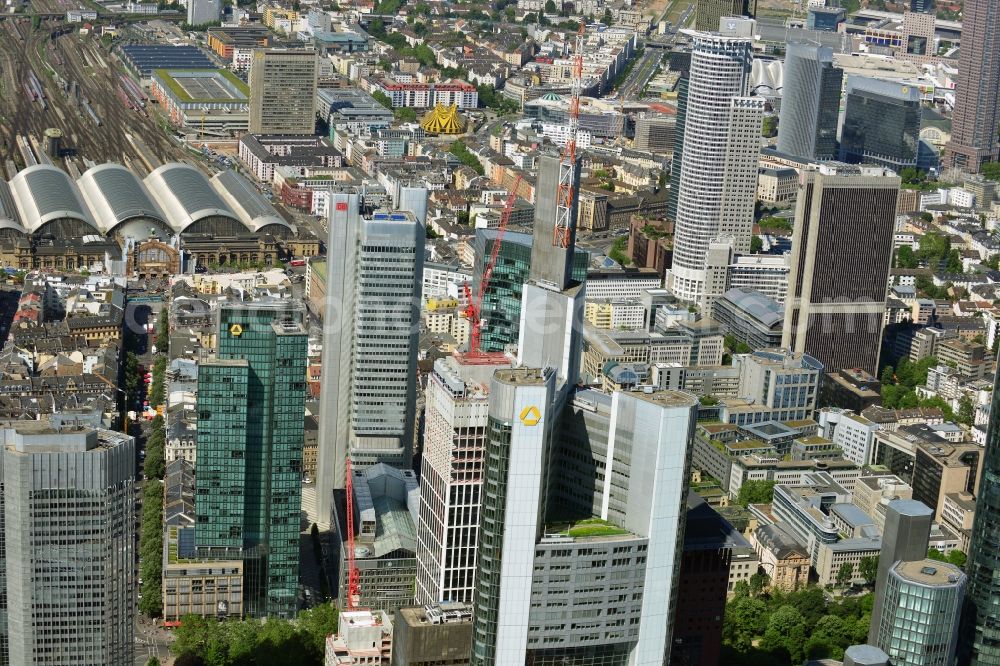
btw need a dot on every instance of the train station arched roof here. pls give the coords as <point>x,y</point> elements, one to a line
<point>115,195</point>
<point>253,209</point>
<point>43,193</point>
<point>186,196</point>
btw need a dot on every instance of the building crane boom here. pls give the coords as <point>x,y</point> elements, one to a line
<point>474,309</point>
<point>353,577</point>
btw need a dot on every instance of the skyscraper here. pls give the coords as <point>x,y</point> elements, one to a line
<point>881,123</point>
<point>718,172</point>
<point>581,513</point>
<point>924,6</point>
<point>841,255</point>
<point>980,637</point>
<point>283,91</point>
<point>708,12</point>
<point>371,328</point>
<point>451,478</point>
<point>251,430</point>
<point>201,12</point>
<point>919,621</point>
<point>905,536</point>
<point>977,91</point>
<point>68,536</point>
<point>810,102</point>
<point>501,307</point>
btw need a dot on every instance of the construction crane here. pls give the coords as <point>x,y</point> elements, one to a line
<point>474,309</point>
<point>353,577</point>
<point>567,166</point>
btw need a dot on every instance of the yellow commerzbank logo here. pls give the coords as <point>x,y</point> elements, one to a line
<point>236,330</point>
<point>530,416</point>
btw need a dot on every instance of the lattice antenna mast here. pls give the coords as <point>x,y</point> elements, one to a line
<point>567,167</point>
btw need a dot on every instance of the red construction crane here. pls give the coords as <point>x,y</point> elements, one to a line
<point>567,167</point>
<point>474,309</point>
<point>353,577</point>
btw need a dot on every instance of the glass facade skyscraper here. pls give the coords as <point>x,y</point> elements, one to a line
<point>980,638</point>
<point>881,123</point>
<point>810,103</point>
<point>251,419</point>
<point>501,309</point>
<point>919,622</point>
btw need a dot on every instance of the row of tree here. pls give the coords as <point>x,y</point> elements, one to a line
<point>207,642</point>
<point>151,548</point>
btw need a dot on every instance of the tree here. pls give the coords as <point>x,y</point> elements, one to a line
<point>770,126</point>
<point>786,631</point>
<point>905,257</point>
<point>935,554</point>
<point>607,19</point>
<point>318,623</point>
<point>957,557</point>
<point>758,583</point>
<point>152,661</point>
<point>745,619</point>
<point>550,7</point>
<point>382,98</point>
<point>868,568</point>
<point>163,331</point>
<point>966,410</point>
<point>755,492</point>
<point>406,114</point>
<point>756,245</point>
<point>844,574</point>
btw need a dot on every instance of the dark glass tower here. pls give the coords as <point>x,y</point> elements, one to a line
<point>810,103</point>
<point>979,643</point>
<point>501,309</point>
<point>251,418</point>
<point>881,123</point>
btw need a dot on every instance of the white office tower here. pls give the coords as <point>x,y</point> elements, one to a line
<point>203,12</point>
<point>370,334</point>
<point>69,539</point>
<point>718,167</point>
<point>584,570</point>
<point>451,476</point>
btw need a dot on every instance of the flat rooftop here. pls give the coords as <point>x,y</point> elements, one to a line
<point>929,572</point>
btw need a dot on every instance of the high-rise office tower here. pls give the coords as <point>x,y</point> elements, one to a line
<point>551,324</point>
<point>841,255</point>
<point>451,479</point>
<point>977,91</point>
<point>708,12</point>
<point>718,173</point>
<point>201,12</point>
<point>501,307</point>
<point>905,537</point>
<point>810,102</point>
<point>251,430</point>
<point>924,6</point>
<point>512,512</point>
<point>919,621</point>
<point>283,91</point>
<point>980,637</point>
<point>586,510</point>
<point>370,334</point>
<point>675,163</point>
<point>68,536</point>
<point>881,123</point>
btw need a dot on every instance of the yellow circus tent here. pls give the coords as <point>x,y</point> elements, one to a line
<point>443,120</point>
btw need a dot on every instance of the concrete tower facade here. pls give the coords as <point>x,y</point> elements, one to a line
<point>283,91</point>
<point>455,430</point>
<point>374,280</point>
<point>977,91</point>
<point>810,102</point>
<point>844,224</point>
<point>68,538</point>
<point>718,172</point>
